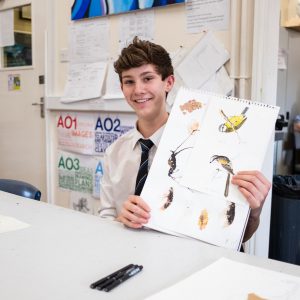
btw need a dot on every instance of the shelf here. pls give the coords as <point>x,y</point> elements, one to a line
<point>112,105</point>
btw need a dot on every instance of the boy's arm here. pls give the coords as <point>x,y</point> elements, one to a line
<point>107,203</point>
<point>255,188</point>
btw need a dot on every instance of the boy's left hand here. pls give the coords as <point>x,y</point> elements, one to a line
<point>255,188</point>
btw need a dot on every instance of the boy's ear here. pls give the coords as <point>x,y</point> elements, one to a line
<point>169,82</point>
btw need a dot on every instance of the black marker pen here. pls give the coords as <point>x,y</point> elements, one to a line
<point>102,280</point>
<point>126,276</point>
<point>106,283</point>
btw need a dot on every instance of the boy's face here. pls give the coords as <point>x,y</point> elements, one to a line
<point>145,91</point>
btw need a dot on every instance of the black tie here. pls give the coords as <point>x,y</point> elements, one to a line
<point>143,170</point>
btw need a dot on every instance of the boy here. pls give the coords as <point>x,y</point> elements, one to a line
<point>146,75</point>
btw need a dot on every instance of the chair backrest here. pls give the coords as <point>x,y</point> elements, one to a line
<point>20,188</point>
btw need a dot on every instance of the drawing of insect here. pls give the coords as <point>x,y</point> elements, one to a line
<point>225,163</point>
<point>190,106</point>
<point>230,214</point>
<point>172,159</point>
<point>203,219</point>
<point>168,197</point>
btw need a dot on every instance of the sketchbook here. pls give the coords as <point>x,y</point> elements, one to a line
<point>207,139</point>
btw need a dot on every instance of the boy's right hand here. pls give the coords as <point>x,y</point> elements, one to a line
<point>135,212</point>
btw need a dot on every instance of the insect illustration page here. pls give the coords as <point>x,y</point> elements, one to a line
<point>176,208</point>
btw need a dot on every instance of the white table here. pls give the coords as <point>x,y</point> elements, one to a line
<point>63,251</point>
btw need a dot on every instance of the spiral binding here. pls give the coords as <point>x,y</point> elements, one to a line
<point>245,101</point>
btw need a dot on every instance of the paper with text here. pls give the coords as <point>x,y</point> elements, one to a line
<point>84,81</point>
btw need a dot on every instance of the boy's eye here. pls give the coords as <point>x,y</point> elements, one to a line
<point>128,82</point>
<point>146,79</point>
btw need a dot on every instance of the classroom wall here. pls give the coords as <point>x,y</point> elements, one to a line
<point>167,32</point>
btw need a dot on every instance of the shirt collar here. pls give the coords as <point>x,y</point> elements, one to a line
<point>155,137</point>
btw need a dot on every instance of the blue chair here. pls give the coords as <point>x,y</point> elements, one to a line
<point>20,188</point>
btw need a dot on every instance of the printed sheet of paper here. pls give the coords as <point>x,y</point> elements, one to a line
<point>109,127</point>
<point>7,37</point>
<point>89,41</point>
<point>76,132</point>
<point>201,63</point>
<point>177,208</point>
<point>112,84</point>
<point>84,81</point>
<point>234,137</point>
<point>91,133</point>
<point>139,24</point>
<point>207,15</point>
<point>10,224</point>
<point>227,279</point>
<point>76,172</point>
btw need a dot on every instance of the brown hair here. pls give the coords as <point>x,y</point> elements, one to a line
<point>140,53</point>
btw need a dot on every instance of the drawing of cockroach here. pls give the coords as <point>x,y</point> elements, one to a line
<point>230,214</point>
<point>168,197</point>
<point>172,159</point>
<point>225,163</point>
<point>203,219</point>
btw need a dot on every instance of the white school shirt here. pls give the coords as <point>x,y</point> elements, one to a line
<point>120,167</point>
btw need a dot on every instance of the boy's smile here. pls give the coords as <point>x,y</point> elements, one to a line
<point>145,92</point>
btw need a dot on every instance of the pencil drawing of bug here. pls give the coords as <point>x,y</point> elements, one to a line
<point>172,162</point>
<point>168,198</point>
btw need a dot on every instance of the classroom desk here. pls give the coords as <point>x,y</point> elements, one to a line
<point>63,251</point>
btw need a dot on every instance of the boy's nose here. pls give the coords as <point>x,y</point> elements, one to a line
<point>139,87</point>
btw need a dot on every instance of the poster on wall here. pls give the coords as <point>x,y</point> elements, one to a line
<point>76,172</point>
<point>91,133</point>
<point>109,127</point>
<point>82,9</point>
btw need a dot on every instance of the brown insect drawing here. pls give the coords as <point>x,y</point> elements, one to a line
<point>172,162</point>
<point>190,106</point>
<point>168,198</point>
<point>225,163</point>
<point>230,214</point>
<point>203,219</point>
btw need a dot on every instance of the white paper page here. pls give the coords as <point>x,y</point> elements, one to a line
<point>75,172</point>
<point>10,224</point>
<point>244,148</point>
<point>112,84</point>
<point>139,24</point>
<point>179,209</point>
<point>7,37</point>
<point>84,81</point>
<point>219,83</point>
<point>76,132</point>
<point>207,56</point>
<point>109,127</point>
<point>89,40</point>
<point>207,15</point>
<point>226,279</point>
